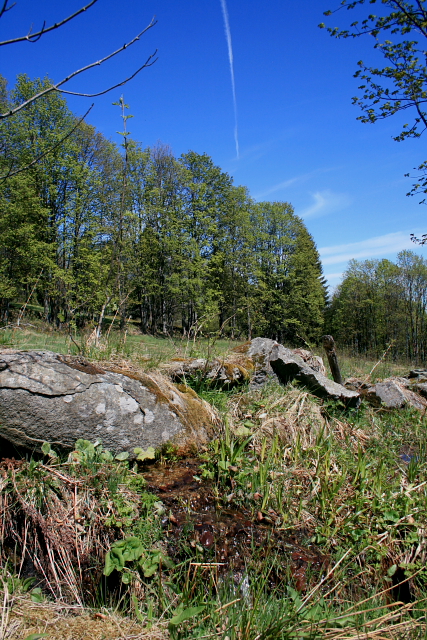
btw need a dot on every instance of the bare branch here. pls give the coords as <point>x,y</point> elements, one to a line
<point>11,173</point>
<point>33,37</point>
<point>56,87</point>
<point>149,62</point>
<point>5,7</point>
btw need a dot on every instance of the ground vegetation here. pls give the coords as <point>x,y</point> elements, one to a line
<point>299,520</point>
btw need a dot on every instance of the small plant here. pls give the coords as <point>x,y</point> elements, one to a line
<point>130,557</point>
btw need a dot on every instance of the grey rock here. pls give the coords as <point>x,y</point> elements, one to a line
<point>181,367</point>
<point>274,361</point>
<point>58,399</point>
<point>259,351</point>
<point>221,372</point>
<point>314,362</point>
<point>355,384</point>
<point>419,374</point>
<point>289,366</point>
<point>420,388</point>
<point>394,394</point>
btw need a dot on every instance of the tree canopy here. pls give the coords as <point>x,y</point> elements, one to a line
<point>93,228</point>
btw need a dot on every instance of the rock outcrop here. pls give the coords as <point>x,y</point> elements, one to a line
<point>391,393</point>
<point>48,397</point>
<point>263,359</point>
<point>272,359</point>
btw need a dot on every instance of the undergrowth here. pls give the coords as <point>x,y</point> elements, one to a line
<point>339,496</point>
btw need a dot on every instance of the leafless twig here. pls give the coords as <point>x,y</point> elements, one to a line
<point>33,37</point>
<point>22,310</point>
<point>11,173</point>
<point>5,7</point>
<point>56,87</point>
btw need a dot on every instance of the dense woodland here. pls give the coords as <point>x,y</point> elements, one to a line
<point>93,229</point>
<point>382,305</point>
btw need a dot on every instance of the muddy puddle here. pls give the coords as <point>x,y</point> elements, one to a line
<point>197,525</point>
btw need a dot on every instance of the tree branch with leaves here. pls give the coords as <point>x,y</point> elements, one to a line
<point>400,35</point>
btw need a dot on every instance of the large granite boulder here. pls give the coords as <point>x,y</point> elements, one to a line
<point>59,399</point>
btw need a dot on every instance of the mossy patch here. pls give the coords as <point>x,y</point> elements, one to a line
<point>186,389</point>
<point>81,365</point>
<point>242,348</point>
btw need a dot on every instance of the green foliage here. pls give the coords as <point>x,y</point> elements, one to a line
<point>399,36</point>
<point>147,454</point>
<point>380,304</point>
<point>353,490</point>
<point>92,230</point>
<point>132,550</point>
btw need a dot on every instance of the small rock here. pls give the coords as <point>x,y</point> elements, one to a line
<point>420,388</point>
<point>393,394</point>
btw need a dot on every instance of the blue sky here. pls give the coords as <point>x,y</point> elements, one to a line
<point>299,140</point>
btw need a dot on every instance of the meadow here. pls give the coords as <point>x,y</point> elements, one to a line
<point>301,519</point>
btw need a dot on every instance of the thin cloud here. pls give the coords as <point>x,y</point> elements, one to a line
<point>231,61</point>
<point>325,202</point>
<point>278,187</point>
<point>376,247</point>
<point>333,278</point>
<point>284,184</point>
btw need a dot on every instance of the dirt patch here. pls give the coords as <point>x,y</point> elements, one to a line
<point>227,540</point>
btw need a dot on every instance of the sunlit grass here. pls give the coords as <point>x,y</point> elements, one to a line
<point>148,351</point>
<point>351,485</point>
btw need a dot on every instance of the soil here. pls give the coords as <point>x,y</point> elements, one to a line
<point>224,539</point>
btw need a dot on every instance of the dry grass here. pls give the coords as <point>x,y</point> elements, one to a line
<point>58,520</point>
<point>291,413</point>
<point>21,617</point>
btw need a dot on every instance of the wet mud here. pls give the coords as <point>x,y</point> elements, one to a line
<point>198,526</point>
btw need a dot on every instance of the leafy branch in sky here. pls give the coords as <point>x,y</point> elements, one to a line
<point>401,84</point>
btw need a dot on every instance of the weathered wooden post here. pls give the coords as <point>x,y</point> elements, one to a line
<point>329,346</point>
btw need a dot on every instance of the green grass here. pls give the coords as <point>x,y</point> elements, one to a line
<point>147,351</point>
<point>349,485</point>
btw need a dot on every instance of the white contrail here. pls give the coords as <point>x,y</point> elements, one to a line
<point>230,58</point>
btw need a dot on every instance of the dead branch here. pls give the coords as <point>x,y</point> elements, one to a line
<point>56,87</point>
<point>12,173</point>
<point>33,37</point>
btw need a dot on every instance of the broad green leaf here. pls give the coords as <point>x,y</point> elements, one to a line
<point>242,431</point>
<point>46,448</point>
<point>126,578</point>
<point>37,595</point>
<point>124,455</point>
<point>186,614</point>
<point>149,569</point>
<point>147,454</point>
